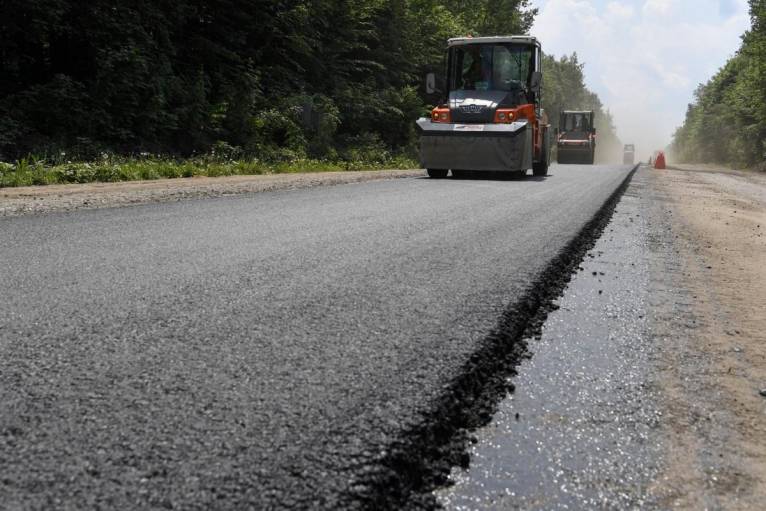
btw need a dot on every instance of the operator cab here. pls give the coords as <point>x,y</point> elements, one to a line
<point>485,74</point>
<point>576,124</point>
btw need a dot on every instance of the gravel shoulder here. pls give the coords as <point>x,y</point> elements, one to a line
<point>54,198</point>
<point>710,322</point>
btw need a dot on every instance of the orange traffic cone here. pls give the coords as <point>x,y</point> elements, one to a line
<point>659,163</point>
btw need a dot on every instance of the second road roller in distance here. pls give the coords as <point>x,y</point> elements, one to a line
<point>576,137</point>
<point>490,117</point>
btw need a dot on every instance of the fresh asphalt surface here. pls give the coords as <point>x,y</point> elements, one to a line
<point>257,351</point>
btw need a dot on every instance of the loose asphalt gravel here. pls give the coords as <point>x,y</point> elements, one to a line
<point>261,351</point>
<point>581,430</point>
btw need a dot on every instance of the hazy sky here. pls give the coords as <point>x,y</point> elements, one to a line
<point>644,58</point>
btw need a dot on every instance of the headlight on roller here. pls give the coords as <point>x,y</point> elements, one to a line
<point>440,114</point>
<point>505,115</point>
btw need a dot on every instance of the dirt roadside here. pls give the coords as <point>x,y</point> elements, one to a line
<point>55,198</point>
<point>711,323</point>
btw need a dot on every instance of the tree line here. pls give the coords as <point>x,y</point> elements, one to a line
<point>274,80</point>
<point>726,123</point>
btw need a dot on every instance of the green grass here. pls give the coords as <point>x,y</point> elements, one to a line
<point>31,171</point>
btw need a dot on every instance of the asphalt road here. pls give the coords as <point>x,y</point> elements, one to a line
<point>257,351</point>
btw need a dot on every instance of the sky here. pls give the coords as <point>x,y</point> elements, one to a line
<point>644,58</point>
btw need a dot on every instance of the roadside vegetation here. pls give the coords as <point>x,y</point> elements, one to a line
<point>110,168</point>
<point>726,123</point>
<point>255,85</point>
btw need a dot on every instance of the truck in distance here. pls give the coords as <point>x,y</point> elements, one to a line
<point>490,117</point>
<point>576,137</point>
<point>628,154</point>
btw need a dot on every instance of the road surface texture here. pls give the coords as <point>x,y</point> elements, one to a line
<point>643,389</point>
<point>313,348</point>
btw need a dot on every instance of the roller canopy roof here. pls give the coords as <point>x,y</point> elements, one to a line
<point>519,39</point>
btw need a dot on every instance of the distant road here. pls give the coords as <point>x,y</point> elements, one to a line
<point>261,350</point>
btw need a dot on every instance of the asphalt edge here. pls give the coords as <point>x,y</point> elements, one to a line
<point>421,460</point>
<point>178,190</point>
